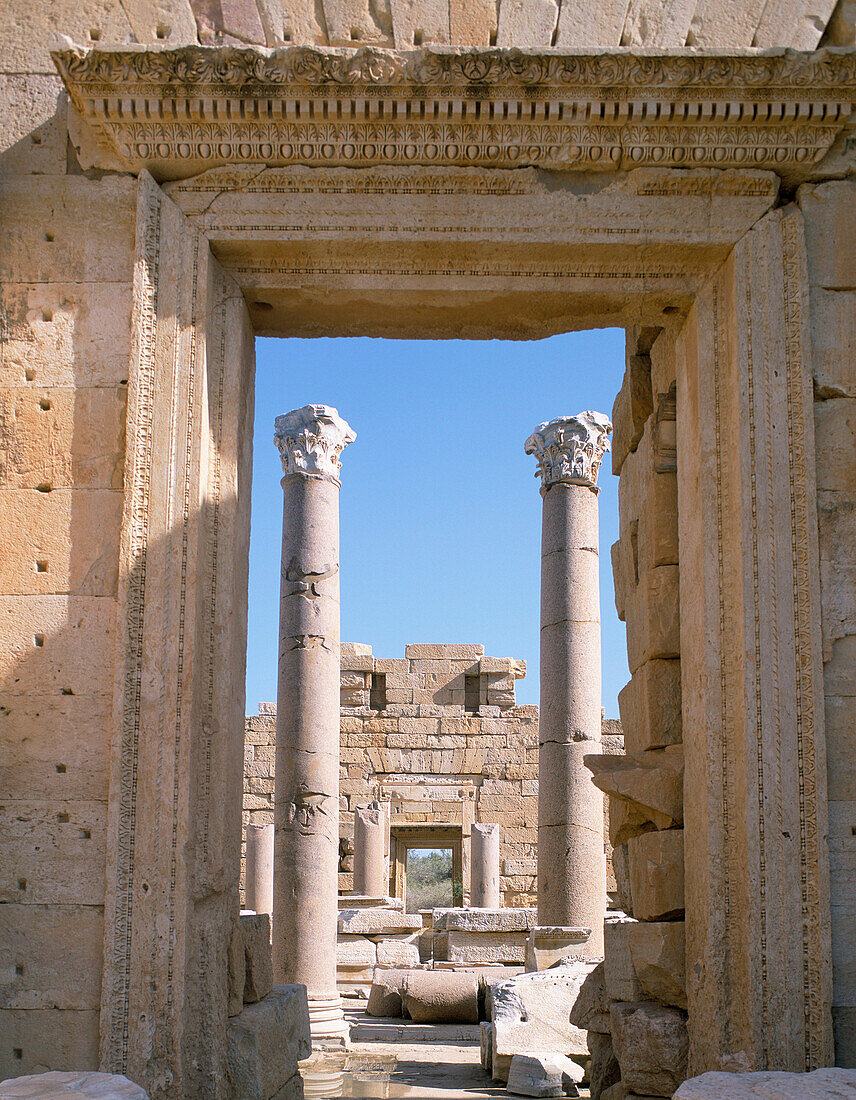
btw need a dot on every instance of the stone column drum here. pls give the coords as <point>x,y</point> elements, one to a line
<point>484,865</point>
<point>571,864</point>
<point>306,797</point>
<point>258,889</point>
<point>371,827</point>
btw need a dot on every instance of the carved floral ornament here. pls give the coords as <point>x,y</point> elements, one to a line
<point>182,111</point>
<point>570,449</point>
<point>310,441</point>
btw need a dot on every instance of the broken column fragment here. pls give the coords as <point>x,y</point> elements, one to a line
<point>484,865</point>
<point>306,799</point>
<point>371,828</point>
<point>571,863</point>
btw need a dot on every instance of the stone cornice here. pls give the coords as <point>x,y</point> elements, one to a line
<point>570,449</point>
<point>178,112</point>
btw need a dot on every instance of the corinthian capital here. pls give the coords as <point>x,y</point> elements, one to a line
<point>310,441</point>
<point>570,449</point>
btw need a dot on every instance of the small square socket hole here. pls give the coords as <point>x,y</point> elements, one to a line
<point>85,834</point>
<point>61,769</point>
<point>44,487</point>
<point>17,1053</point>
<point>29,374</point>
<point>41,567</point>
<point>161,32</point>
<point>62,818</point>
<point>22,884</point>
<point>19,970</point>
<point>47,314</point>
<point>44,404</point>
<point>49,236</point>
<point>39,641</point>
<point>94,34</point>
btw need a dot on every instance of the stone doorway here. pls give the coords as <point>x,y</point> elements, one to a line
<point>418,838</point>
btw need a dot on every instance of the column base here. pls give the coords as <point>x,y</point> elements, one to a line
<point>547,944</point>
<point>327,1025</point>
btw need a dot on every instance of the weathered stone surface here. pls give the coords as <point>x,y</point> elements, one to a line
<point>267,1041</point>
<point>55,1085</point>
<point>484,920</point>
<point>237,970</point>
<point>385,996</point>
<point>653,617</point>
<point>355,953</point>
<point>365,921</point>
<point>590,1011</point>
<point>604,1070</point>
<point>258,967</point>
<point>822,1084</point>
<point>621,870</point>
<point>657,874</point>
<point>619,976</point>
<point>358,901</point>
<point>441,997</point>
<point>650,706</point>
<point>658,952</point>
<point>531,1013</point>
<point>651,1046</point>
<point>50,957</point>
<point>480,947</point>
<point>486,1045</point>
<point>543,1075</point>
<point>397,953</point>
<point>546,946</point>
<point>652,782</point>
<point>38,1039</point>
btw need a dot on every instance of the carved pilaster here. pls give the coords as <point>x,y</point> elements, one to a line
<point>310,441</point>
<point>570,449</point>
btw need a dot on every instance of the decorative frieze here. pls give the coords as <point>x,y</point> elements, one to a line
<point>181,111</point>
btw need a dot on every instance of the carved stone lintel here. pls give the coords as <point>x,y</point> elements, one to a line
<point>310,441</point>
<point>570,449</point>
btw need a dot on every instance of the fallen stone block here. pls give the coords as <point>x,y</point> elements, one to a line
<point>653,783</point>
<point>543,1075</point>
<point>484,920</point>
<point>603,1066</point>
<point>548,945</point>
<point>657,874</point>
<point>651,1045</point>
<point>385,995</point>
<point>266,1042</point>
<point>373,922</point>
<point>658,952</point>
<point>591,1008</point>
<point>441,997</point>
<point>57,1085</point>
<point>258,965</point>
<point>820,1084</point>
<point>531,1015</point>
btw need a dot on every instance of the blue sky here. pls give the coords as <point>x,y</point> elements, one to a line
<point>440,510</point>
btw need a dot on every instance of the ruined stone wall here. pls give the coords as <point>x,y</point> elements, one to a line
<point>435,761</point>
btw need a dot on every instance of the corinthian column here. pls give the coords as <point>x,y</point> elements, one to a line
<point>306,799</point>
<point>571,864</point>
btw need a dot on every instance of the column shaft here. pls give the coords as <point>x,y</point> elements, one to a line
<point>371,826</point>
<point>258,888</point>
<point>484,866</point>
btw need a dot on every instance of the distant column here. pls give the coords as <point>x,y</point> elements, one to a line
<point>371,827</point>
<point>571,864</point>
<point>306,798</point>
<point>258,888</point>
<point>484,865</point>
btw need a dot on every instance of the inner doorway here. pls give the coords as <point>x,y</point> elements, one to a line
<point>427,862</point>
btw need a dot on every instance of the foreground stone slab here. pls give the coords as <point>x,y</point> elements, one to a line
<point>543,1075</point>
<point>82,1086</point>
<point>266,1042</point>
<point>822,1084</point>
<point>591,1009</point>
<point>658,954</point>
<point>258,966</point>
<point>651,1045</point>
<point>441,997</point>
<point>531,1015</point>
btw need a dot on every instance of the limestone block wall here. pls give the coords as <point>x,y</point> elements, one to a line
<point>829,210</point>
<point>645,954</point>
<point>438,735</point>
